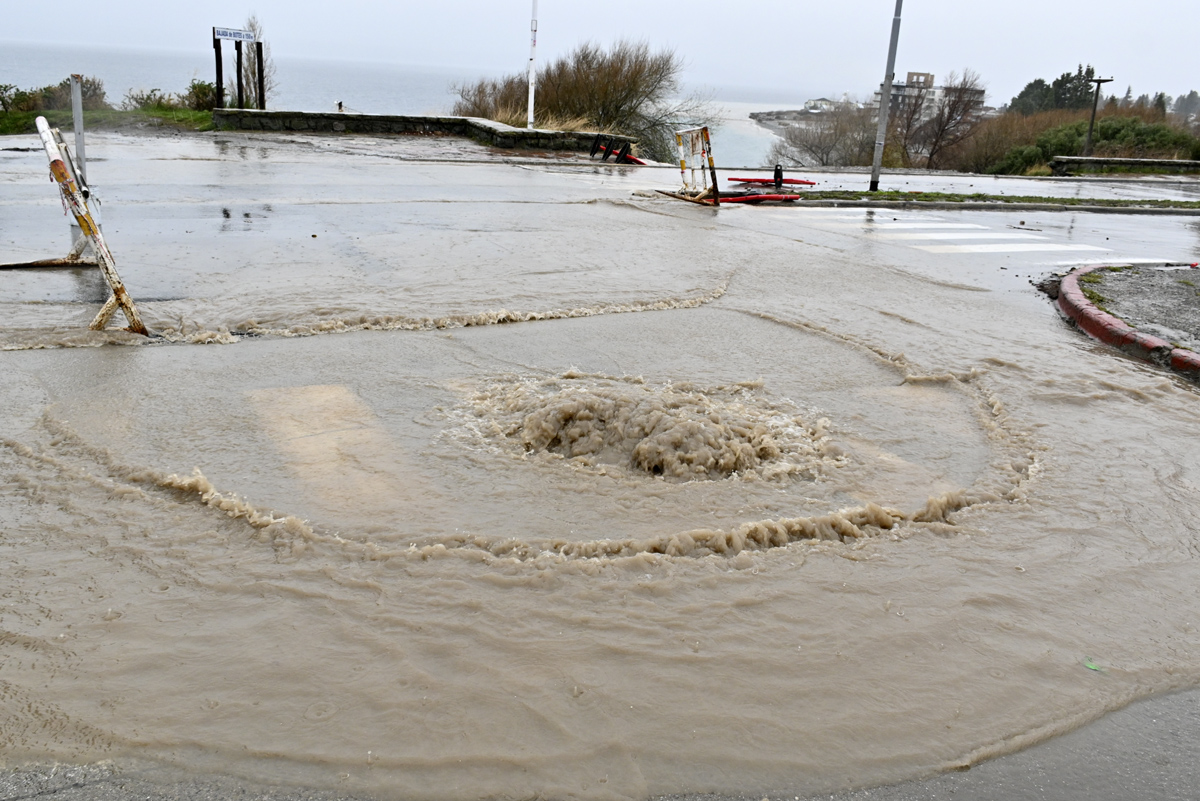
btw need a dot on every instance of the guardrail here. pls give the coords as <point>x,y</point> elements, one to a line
<point>1062,165</point>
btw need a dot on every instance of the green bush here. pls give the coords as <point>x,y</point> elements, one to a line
<point>55,97</point>
<point>148,100</point>
<point>200,96</point>
<point>1115,137</point>
<point>1019,160</point>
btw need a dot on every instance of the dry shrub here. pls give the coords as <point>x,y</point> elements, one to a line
<point>626,89</point>
<point>996,137</point>
<point>1013,143</point>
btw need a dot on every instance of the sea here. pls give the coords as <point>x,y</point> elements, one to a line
<point>366,87</point>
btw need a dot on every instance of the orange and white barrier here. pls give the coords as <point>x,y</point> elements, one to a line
<point>695,146</point>
<point>73,194</point>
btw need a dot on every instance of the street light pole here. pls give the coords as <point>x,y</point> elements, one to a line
<point>532,54</point>
<point>1087,145</point>
<point>885,100</point>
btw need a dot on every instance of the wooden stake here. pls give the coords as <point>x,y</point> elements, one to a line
<point>262,78</point>
<point>220,71</point>
<point>241,89</point>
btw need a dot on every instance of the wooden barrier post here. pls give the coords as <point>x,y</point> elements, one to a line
<point>220,71</point>
<point>262,79</point>
<point>241,89</point>
<point>712,168</point>
<point>64,173</point>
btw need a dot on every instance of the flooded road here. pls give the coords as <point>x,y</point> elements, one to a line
<point>516,481</point>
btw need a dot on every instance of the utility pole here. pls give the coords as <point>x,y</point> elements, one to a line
<point>532,68</point>
<point>885,100</point>
<point>1087,145</point>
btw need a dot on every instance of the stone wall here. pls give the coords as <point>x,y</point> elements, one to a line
<point>486,131</point>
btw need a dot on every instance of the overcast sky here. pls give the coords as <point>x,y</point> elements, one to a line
<point>789,46</point>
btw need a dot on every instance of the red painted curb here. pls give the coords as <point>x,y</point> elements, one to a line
<point>1111,331</point>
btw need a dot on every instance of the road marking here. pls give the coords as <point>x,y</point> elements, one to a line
<point>853,214</point>
<point>961,235</point>
<point>1109,260</point>
<point>887,226</point>
<point>1014,248</point>
<point>872,225</point>
<point>908,231</point>
<point>335,444</point>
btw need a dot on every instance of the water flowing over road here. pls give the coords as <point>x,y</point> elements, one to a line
<point>451,477</point>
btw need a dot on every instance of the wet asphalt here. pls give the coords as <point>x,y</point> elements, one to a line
<point>1146,751</point>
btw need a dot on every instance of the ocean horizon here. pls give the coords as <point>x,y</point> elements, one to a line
<point>365,87</point>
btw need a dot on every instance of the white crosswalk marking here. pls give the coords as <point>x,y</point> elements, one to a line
<point>1003,248</point>
<point>925,232</point>
<point>1114,260</point>
<point>893,226</point>
<point>889,226</point>
<point>932,235</point>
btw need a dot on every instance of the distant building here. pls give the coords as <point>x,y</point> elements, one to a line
<point>919,87</point>
<point>819,105</point>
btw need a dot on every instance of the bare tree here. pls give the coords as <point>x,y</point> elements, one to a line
<point>841,136</point>
<point>250,68</point>
<point>812,142</point>
<point>858,150</point>
<point>955,115</point>
<point>907,122</point>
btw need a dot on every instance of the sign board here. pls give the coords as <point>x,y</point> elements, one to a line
<point>234,34</point>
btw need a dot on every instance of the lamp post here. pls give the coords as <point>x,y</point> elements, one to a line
<point>1087,145</point>
<point>885,100</point>
<point>532,54</point>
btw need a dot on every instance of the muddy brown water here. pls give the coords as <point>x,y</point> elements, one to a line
<point>595,497</point>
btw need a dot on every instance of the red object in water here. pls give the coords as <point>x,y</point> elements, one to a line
<point>771,181</point>
<point>616,152</point>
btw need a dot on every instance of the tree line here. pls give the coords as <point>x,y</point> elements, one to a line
<point>1076,91</point>
<point>950,127</point>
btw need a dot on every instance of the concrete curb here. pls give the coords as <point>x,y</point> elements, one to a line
<point>993,206</point>
<point>1112,331</point>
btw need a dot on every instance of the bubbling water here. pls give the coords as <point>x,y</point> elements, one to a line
<point>678,432</point>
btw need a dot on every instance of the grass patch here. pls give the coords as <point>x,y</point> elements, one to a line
<point>22,122</point>
<point>1089,281</point>
<point>1095,297</point>
<point>947,197</point>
